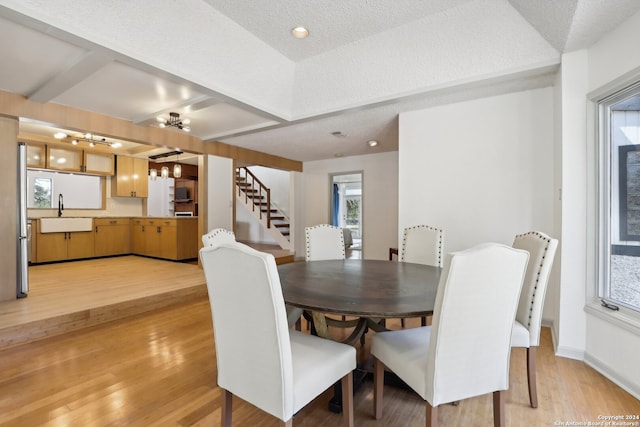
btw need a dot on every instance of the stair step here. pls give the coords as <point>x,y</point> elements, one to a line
<point>281,225</point>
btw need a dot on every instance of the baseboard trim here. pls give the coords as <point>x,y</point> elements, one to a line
<point>568,352</point>
<point>598,365</point>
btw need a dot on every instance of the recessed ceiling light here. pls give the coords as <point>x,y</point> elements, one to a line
<point>300,32</point>
<point>59,135</point>
<point>372,143</point>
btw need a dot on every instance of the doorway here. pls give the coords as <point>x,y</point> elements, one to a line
<point>346,209</point>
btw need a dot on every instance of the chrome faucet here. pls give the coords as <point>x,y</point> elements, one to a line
<point>60,204</point>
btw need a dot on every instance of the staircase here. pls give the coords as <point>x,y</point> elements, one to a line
<point>256,197</point>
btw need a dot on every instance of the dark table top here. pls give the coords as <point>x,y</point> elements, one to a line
<point>363,288</point>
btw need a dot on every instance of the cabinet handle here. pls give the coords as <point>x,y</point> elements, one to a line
<point>96,228</point>
<point>158,229</point>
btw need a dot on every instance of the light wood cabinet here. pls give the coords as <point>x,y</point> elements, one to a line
<point>64,159</point>
<point>98,163</point>
<point>152,238</point>
<point>36,155</point>
<point>112,236</point>
<point>131,177</point>
<point>137,236</point>
<point>64,246</point>
<point>168,238</point>
<point>69,159</point>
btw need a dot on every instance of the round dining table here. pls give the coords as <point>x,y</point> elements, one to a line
<point>369,290</point>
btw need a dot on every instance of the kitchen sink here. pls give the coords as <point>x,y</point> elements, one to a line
<point>64,225</point>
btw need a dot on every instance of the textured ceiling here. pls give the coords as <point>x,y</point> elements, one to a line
<point>332,24</point>
<point>234,69</point>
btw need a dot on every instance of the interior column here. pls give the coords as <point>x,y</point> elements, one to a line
<point>8,207</point>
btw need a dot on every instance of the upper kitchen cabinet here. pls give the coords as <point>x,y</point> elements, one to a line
<point>36,155</point>
<point>68,159</point>
<point>131,177</point>
<point>64,159</point>
<point>98,163</point>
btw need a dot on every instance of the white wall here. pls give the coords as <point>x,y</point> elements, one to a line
<point>612,339</point>
<point>219,192</point>
<point>481,170</point>
<point>569,323</point>
<point>380,198</point>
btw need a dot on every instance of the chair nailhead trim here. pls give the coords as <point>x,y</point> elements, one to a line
<point>440,233</point>
<point>535,287</point>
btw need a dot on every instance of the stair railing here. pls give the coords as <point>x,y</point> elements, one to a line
<point>262,189</point>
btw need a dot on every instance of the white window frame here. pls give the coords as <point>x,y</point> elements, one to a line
<point>598,108</point>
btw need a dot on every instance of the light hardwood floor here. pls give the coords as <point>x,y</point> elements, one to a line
<point>72,295</point>
<point>159,368</point>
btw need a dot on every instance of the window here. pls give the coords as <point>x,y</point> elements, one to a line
<point>620,198</point>
<point>80,191</point>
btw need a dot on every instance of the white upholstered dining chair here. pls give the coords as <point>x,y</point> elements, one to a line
<point>264,362</point>
<point>526,328</point>
<point>458,356</point>
<point>324,242</point>
<point>218,236</point>
<point>422,244</point>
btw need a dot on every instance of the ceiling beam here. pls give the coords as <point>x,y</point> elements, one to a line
<point>76,71</point>
<point>18,106</point>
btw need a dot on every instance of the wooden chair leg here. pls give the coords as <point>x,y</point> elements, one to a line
<point>378,384</point>
<point>347,400</point>
<point>498,408</point>
<point>432,415</point>
<point>423,321</point>
<point>531,376</point>
<point>227,399</point>
<point>402,323</point>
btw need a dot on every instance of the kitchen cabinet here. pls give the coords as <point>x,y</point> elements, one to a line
<point>98,163</point>
<point>64,159</point>
<point>69,159</point>
<point>137,236</point>
<point>64,246</point>
<point>36,155</point>
<point>112,236</point>
<point>131,177</point>
<point>168,238</point>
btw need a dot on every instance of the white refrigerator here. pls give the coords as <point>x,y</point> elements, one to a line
<point>160,199</point>
<point>22,285</point>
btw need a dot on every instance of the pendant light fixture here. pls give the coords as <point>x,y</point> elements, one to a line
<point>177,169</point>
<point>175,121</point>
<point>164,172</point>
<point>153,173</point>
